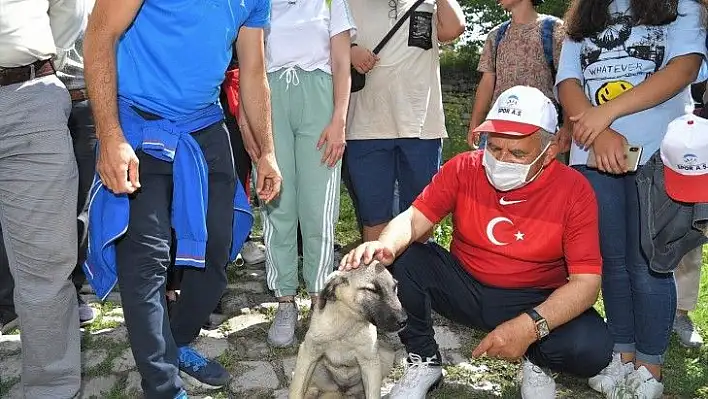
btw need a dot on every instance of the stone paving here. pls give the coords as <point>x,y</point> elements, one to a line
<point>239,344</point>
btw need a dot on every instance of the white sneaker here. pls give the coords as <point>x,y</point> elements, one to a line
<point>686,331</point>
<point>615,373</point>
<point>536,383</point>
<point>253,252</point>
<point>420,377</point>
<point>640,384</point>
<point>281,333</point>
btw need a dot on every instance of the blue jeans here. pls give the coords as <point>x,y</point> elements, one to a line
<point>640,304</point>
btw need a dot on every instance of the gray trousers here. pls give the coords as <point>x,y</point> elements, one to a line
<point>38,186</point>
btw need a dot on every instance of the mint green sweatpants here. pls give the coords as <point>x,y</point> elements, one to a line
<point>302,105</point>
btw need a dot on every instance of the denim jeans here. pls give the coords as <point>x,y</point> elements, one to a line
<point>639,304</point>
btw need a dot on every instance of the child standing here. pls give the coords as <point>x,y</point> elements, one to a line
<point>624,74</point>
<point>522,51</point>
<point>307,50</point>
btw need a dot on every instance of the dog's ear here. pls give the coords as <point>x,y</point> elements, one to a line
<point>329,293</point>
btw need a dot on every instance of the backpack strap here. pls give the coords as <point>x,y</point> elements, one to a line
<point>548,25</point>
<point>500,35</point>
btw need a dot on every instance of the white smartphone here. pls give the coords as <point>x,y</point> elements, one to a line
<point>632,155</point>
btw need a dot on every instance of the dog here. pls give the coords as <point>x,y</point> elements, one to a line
<point>341,356</point>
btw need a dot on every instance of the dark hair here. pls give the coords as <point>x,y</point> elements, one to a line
<point>586,18</point>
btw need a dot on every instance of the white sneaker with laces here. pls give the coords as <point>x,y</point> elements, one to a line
<point>420,377</point>
<point>640,384</point>
<point>253,252</point>
<point>281,333</point>
<point>686,331</point>
<point>536,383</point>
<point>615,373</point>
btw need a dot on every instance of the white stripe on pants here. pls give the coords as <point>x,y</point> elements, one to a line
<point>38,190</point>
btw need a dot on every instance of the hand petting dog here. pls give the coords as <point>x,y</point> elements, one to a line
<point>367,253</point>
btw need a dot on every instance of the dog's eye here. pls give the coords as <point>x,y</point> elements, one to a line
<point>374,290</point>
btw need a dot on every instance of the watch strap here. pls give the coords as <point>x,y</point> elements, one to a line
<point>540,323</point>
<point>534,315</point>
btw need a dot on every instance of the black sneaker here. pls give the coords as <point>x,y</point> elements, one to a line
<point>8,321</point>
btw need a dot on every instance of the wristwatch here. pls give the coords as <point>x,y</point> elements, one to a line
<point>541,324</point>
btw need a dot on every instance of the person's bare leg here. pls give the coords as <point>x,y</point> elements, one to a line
<point>654,369</point>
<point>627,357</point>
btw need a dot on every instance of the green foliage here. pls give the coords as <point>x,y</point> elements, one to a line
<point>488,13</point>
<point>461,59</point>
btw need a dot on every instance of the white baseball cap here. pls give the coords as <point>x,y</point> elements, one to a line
<point>521,111</point>
<point>684,152</point>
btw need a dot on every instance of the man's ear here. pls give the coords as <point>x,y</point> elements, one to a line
<point>329,293</point>
<point>551,153</point>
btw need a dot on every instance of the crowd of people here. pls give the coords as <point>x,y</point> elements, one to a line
<point>133,133</point>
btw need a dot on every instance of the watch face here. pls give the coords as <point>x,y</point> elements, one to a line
<point>542,328</point>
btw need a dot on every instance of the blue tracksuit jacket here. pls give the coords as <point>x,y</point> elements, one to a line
<point>108,213</point>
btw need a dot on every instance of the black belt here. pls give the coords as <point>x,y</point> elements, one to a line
<point>11,76</point>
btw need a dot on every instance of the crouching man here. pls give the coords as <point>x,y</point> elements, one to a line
<point>524,262</point>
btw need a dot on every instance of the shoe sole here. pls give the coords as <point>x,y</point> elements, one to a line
<point>282,346</point>
<point>436,385</point>
<point>86,322</point>
<point>604,389</point>
<point>188,379</point>
<point>10,326</point>
<point>690,346</point>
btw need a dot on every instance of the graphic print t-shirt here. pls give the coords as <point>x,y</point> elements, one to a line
<point>623,56</point>
<point>532,237</point>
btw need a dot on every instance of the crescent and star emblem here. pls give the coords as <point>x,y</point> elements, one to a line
<point>490,231</point>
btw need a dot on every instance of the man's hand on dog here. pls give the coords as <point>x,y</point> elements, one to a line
<point>366,253</point>
<point>510,340</point>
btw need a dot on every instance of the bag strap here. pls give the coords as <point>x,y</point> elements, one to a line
<point>500,35</point>
<point>397,26</point>
<point>547,28</point>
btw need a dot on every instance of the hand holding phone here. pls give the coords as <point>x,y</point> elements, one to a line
<point>632,156</point>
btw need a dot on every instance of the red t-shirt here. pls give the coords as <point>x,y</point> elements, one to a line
<point>534,236</point>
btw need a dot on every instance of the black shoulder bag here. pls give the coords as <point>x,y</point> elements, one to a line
<point>359,79</point>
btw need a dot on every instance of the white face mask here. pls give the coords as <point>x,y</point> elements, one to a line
<point>507,176</point>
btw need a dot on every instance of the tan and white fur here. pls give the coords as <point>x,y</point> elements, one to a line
<point>341,356</point>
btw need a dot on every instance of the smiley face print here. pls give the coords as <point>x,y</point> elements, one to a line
<point>611,90</point>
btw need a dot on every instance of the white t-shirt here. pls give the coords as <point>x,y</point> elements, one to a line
<point>402,97</point>
<point>623,56</point>
<point>300,31</point>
